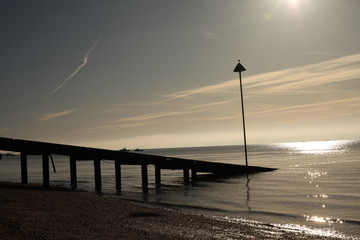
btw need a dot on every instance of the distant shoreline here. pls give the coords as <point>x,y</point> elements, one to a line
<point>32,212</point>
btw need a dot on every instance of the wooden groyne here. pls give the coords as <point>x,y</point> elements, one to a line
<point>77,153</point>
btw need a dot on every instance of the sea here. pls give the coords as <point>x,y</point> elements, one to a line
<point>315,189</point>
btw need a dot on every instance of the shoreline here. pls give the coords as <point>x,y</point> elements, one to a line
<point>33,212</point>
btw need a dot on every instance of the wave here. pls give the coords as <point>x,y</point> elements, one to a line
<point>185,207</point>
<point>222,212</point>
<point>275,228</point>
<point>308,218</point>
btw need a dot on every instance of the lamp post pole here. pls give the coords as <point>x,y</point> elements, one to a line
<point>239,68</point>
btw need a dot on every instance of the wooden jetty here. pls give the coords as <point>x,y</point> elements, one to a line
<point>77,153</point>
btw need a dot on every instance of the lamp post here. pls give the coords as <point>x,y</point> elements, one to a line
<point>240,68</point>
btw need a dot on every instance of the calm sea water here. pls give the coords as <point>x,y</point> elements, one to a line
<point>316,187</point>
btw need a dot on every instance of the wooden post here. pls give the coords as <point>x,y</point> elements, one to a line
<point>73,174</point>
<point>186,176</point>
<point>240,68</point>
<point>144,174</point>
<point>118,175</point>
<point>193,173</point>
<point>243,118</point>
<point>157,175</point>
<point>24,172</point>
<point>97,171</point>
<point>45,168</point>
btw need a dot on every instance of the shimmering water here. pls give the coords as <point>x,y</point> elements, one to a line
<point>316,187</point>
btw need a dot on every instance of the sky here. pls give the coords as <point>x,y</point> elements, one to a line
<point>156,74</point>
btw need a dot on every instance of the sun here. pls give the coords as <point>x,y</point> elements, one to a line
<point>292,9</point>
<point>293,3</point>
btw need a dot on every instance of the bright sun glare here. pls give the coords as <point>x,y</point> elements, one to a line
<point>293,3</point>
<point>317,147</point>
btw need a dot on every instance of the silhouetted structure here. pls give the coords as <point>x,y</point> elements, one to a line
<point>77,153</point>
<point>240,68</point>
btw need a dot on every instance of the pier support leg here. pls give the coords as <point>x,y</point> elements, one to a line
<point>24,172</point>
<point>144,174</point>
<point>157,176</point>
<point>186,176</point>
<point>193,175</point>
<point>73,174</point>
<point>45,168</point>
<point>97,171</point>
<point>118,175</point>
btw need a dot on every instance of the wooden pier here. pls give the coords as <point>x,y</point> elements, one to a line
<point>77,153</point>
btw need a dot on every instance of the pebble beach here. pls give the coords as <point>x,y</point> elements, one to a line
<point>32,212</point>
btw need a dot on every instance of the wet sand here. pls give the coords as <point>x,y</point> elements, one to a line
<point>31,212</point>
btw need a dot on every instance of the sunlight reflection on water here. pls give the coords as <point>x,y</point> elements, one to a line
<point>323,219</point>
<point>319,147</point>
<point>276,229</point>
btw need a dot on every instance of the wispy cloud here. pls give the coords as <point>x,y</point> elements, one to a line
<point>85,60</point>
<point>319,53</point>
<point>222,118</point>
<point>117,126</point>
<point>156,103</point>
<point>315,93</point>
<point>293,79</point>
<point>348,102</point>
<point>150,116</point>
<point>210,35</point>
<point>210,104</point>
<point>50,116</point>
<point>3,130</point>
<point>140,120</point>
<point>216,88</point>
<point>336,70</point>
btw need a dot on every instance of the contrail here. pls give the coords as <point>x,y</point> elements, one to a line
<point>85,60</point>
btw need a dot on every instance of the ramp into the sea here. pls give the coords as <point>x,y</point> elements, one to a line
<point>77,153</point>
